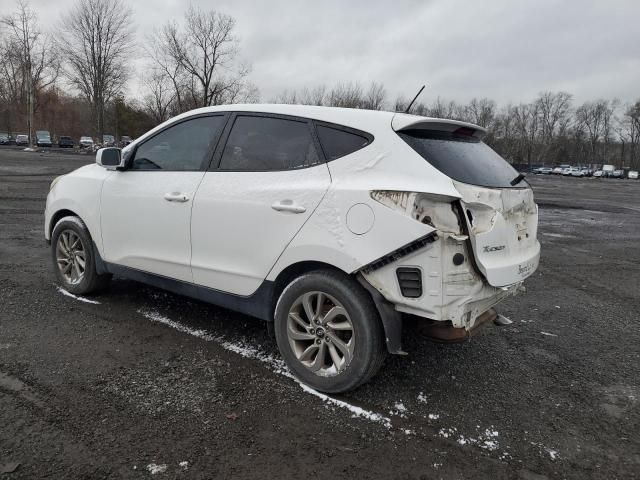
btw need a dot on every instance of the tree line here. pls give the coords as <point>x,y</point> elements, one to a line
<point>73,83</point>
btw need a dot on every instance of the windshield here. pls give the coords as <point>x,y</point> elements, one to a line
<point>462,158</point>
<point>42,134</point>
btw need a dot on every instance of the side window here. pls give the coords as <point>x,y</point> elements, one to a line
<point>338,143</point>
<point>264,143</point>
<point>182,147</point>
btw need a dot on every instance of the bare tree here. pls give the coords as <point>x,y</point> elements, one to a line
<point>161,96</point>
<point>96,40</point>
<point>36,63</point>
<point>346,95</point>
<point>200,59</point>
<point>375,97</point>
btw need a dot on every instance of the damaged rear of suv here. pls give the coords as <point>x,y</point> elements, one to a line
<point>483,242</point>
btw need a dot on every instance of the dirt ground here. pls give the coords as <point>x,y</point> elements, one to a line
<point>146,384</point>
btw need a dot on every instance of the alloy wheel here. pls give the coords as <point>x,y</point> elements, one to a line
<point>71,257</point>
<point>321,333</point>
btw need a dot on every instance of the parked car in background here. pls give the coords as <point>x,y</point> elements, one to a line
<point>22,140</point>
<point>608,170</point>
<point>4,139</point>
<point>86,142</point>
<point>587,172</point>
<point>577,172</point>
<point>43,138</point>
<point>559,170</point>
<point>618,173</point>
<point>633,174</point>
<point>65,142</point>
<point>108,141</point>
<point>570,170</point>
<point>598,173</point>
<point>347,251</point>
<point>125,140</point>
<point>542,170</point>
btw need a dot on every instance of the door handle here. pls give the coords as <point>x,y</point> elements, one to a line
<point>176,197</point>
<point>288,206</point>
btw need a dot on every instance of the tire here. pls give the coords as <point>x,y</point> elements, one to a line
<point>71,245</point>
<point>348,340</point>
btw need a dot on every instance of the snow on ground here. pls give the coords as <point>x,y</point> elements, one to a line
<point>76,297</point>
<point>276,365</point>
<point>549,334</point>
<point>154,468</point>
<point>355,410</point>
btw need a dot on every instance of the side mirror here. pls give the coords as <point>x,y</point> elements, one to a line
<point>110,158</point>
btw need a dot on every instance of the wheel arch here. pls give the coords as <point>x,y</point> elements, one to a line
<point>391,319</point>
<point>55,218</point>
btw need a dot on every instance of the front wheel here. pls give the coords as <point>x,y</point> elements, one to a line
<point>74,258</point>
<point>329,331</point>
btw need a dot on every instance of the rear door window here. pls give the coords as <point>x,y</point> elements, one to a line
<point>462,158</point>
<point>337,143</point>
<point>259,143</point>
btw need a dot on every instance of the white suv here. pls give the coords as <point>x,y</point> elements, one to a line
<point>330,222</point>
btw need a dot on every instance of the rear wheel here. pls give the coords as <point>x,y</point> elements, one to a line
<point>329,332</point>
<point>74,259</point>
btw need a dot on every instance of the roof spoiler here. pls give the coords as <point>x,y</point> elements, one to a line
<point>403,121</point>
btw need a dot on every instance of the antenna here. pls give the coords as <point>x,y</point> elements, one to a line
<point>414,99</point>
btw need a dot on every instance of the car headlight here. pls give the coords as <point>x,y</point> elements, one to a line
<point>55,180</point>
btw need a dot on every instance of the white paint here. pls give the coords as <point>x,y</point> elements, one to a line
<point>76,297</point>
<point>154,468</point>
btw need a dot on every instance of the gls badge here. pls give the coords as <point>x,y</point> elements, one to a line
<point>495,248</point>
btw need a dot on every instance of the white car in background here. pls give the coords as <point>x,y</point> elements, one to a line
<point>633,174</point>
<point>86,142</point>
<point>330,222</point>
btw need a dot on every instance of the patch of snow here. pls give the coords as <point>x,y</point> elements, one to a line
<point>408,432</point>
<point>155,468</point>
<point>28,149</point>
<point>434,416</point>
<point>355,410</point>
<point>76,297</point>
<point>399,406</point>
<point>447,432</point>
<point>552,453</point>
<point>549,334</point>
<point>184,465</point>
<point>422,398</point>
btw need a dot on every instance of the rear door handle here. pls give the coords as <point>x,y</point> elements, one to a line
<point>176,197</point>
<point>288,206</point>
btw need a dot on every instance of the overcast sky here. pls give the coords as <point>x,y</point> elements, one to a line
<point>508,50</point>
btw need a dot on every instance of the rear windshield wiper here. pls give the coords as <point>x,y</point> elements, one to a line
<point>517,180</point>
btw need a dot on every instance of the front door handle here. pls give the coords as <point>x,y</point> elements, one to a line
<point>176,197</point>
<point>288,206</point>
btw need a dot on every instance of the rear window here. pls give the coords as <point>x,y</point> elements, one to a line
<point>462,158</point>
<point>338,143</point>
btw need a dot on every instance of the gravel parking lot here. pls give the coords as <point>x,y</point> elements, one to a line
<point>140,383</point>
